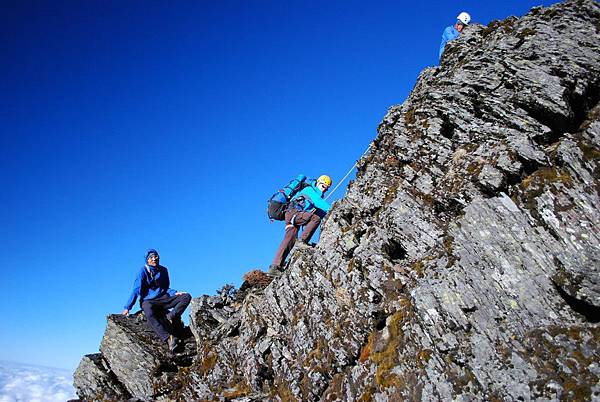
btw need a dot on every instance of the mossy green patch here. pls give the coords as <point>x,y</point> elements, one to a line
<point>282,390</point>
<point>474,168</point>
<point>460,377</point>
<point>506,26</point>
<point>207,363</point>
<point>319,360</point>
<point>590,153</point>
<point>334,390</point>
<point>392,162</point>
<point>448,246</point>
<point>423,357</point>
<point>524,33</point>
<point>419,268</point>
<point>565,355</point>
<point>351,265</point>
<point>390,194</point>
<point>389,356</point>
<point>409,117</point>
<point>546,178</point>
<point>367,396</point>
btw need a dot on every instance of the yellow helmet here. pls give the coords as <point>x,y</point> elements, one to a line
<point>325,180</point>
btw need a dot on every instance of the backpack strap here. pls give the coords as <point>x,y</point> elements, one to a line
<point>284,194</point>
<point>149,272</point>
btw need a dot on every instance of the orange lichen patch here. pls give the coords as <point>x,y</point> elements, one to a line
<point>283,392</point>
<point>366,350</point>
<point>238,390</point>
<point>257,278</point>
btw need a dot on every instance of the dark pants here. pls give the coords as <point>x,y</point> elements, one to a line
<point>309,220</point>
<point>157,309</point>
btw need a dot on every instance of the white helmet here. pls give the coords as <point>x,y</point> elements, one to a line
<point>464,17</point>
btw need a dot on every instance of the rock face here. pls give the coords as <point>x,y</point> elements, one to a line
<point>462,264</point>
<point>95,380</point>
<point>133,362</point>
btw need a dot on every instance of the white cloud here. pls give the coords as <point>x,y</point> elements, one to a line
<point>19,382</point>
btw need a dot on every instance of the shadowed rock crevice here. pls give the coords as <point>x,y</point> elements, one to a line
<point>582,103</point>
<point>447,129</point>
<point>449,208</point>
<point>579,106</point>
<point>394,250</point>
<point>590,312</point>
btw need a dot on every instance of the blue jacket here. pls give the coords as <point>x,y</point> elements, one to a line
<point>309,198</point>
<point>449,34</point>
<point>150,283</point>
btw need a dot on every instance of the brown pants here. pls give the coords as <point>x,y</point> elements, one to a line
<point>309,220</point>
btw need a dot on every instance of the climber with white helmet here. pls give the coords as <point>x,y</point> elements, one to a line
<point>306,209</point>
<point>452,32</point>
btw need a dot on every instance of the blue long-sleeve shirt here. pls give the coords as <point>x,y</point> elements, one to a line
<point>449,34</point>
<point>313,198</point>
<point>150,283</point>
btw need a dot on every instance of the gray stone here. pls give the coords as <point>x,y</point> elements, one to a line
<point>94,380</point>
<point>133,362</point>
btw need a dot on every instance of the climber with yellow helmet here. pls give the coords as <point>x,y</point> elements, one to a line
<point>452,32</point>
<point>306,209</point>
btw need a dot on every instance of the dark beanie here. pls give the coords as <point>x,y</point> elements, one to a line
<point>150,252</point>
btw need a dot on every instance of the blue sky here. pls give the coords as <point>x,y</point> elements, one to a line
<point>134,124</point>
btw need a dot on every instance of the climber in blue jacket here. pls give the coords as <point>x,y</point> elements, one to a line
<point>452,32</point>
<point>306,209</point>
<point>151,285</point>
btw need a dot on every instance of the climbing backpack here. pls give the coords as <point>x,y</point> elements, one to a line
<point>278,203</point>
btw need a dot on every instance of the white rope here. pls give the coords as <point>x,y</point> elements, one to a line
<point>349,171</point>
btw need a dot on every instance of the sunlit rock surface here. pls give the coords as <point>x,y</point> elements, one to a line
<point>462,264</point>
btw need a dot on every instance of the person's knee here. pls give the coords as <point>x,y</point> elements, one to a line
<point>186,297</point>
<point>147,307</point>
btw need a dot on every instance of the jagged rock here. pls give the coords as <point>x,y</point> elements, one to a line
<point>462,264</point>
<point>96,382</point>
<point>133,359</point>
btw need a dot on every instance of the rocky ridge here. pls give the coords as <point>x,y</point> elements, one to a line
<point>462,264</point>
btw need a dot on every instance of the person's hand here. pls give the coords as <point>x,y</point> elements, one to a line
<point>180,293</point>
<point>125,312</point>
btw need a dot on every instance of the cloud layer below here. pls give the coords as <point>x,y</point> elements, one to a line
<point>20,382</point>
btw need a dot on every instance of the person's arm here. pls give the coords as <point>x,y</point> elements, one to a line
<point>446,36</point>
<point>287,190</point>
<point>137,284</point>
<point>317,199</point>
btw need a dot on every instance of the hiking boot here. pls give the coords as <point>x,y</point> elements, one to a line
<point>173,319</point>
<point>172,343</point>
<point>302,245</point>
<point>275,271</point>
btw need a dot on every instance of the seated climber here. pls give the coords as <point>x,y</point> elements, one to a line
<point>152,287</point>
<point>452,32</point>
<point>306,209</point>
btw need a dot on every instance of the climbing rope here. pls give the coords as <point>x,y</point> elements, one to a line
<point>349,171</point>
